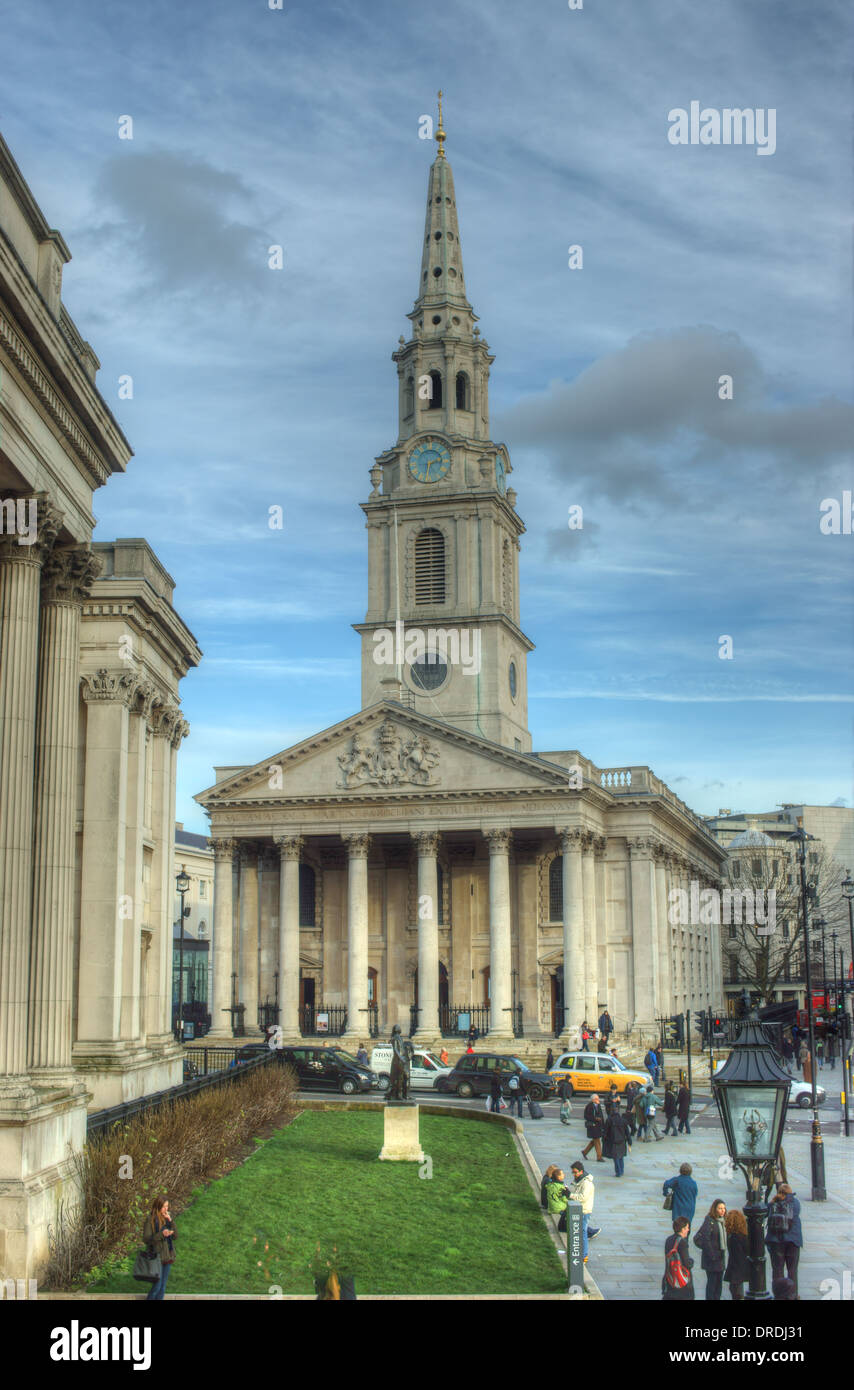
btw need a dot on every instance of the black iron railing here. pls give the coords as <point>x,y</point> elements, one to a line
<point>268,1015</point>
<point>102,1120</point>
<point>456,1020</point>
<point>321,1020</point>
<point>373,1020</point>
<point>517,1020</point>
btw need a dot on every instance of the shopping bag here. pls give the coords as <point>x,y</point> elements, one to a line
<point>147,1267</point>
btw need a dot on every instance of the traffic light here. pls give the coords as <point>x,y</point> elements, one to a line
<point>717,1025</point>
<point>700,1022</point>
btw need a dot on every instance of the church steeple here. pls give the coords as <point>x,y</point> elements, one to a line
<point>441,286</point>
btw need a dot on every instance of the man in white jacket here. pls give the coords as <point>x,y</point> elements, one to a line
<point>582,1190</point>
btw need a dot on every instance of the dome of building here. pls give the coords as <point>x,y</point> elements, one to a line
<point>751,838</point>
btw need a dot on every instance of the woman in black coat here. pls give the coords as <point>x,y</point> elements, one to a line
<point>737,1272</point>
<point>712,1240</point>
<point>594,1124</point>
<point>616,1139</point>
<point>683,1109</point>
<point>669,1108</point>
<point>679,1239</point>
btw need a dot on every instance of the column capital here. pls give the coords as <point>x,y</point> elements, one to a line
<point>358,845</point>
<point>569,838</point>
<point>222,848</point>
<point>289,846</point>
<point>499,840</point>
<point>103,686</point>
<point>640,846</point>
<point>68,572</point>
<point>427,842</point>
<point>18,544</point>
<point>600,846</point>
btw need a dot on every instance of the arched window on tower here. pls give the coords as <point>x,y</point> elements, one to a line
<point>307,896</point>
<point>463,392</point>
<point>408,397</point>
<point>430,566</point>
<point>556,889</point>
<point>435,402</point>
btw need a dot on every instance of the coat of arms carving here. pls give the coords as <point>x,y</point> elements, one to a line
<point>389,761</point>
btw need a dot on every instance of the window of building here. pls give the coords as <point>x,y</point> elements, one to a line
<point>435,402</point>
<point>463,396</point>
<point>430,566</point>
<point>556,889</point>
<point>307,896</point>
<point>756,867</point>
<point>203,888</point>
<point>736,869</point>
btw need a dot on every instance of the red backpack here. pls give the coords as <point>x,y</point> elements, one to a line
<point>675,1273</point>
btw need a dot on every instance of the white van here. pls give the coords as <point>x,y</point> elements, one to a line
<point>424,1072</point>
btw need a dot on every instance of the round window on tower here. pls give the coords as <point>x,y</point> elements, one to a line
<point>430,673</point>
<point>512,679</point>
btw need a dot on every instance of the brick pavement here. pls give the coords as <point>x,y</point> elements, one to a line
<point>627,1258</point>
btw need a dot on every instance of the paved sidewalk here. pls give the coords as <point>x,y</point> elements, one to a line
<point>627,1258</point>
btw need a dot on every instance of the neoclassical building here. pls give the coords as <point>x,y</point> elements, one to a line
<point>91,655</point>
<point>420,855</point>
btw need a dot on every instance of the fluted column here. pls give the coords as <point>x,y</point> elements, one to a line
<point>268,869</point>
<point>574,983</point>
<point>644,930</point>
<point>290,852</point>
<point>665,986</point>
<point>20,576</point>
<point>500,963</point>
<point>65,580</point>
<point>591,983</point>
<point>600,849</point>
<point>247,984</point>
<point>223,936</point>
<point>427,844</point>
<point>357,935</point>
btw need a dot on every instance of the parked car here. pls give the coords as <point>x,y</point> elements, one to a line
<point>424,1073</point>
<point>800,1094</point>
<point>472,1075</point>
<point>595,1071</point>
<point>328,1069</point>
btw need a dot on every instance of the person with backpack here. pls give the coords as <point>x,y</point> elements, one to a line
<point>557,1196</point>
<point>594,1124</point>
<point>670,1109</point>
<point>683,1109</point>
<point>737,1272</point>
<point>517,1093</point>
<point>677,1284</point>
<point>650,1061</point>
<point>713,1241</point>
<point>684,1190</point>
<point>582,1189</point>
<point>784,1237</point>
<point>616,1139</point>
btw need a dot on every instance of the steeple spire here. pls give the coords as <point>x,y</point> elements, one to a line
<point>440,134</point>
<point>441,305</point>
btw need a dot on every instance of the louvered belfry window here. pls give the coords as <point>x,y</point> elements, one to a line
<point>430,566</point>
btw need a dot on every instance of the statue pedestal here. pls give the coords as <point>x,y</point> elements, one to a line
<point>400,1139</point>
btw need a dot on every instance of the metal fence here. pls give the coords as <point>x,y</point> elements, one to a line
<point>100,1121</point>
<point>456,1020</point>
<point>321,1020</point>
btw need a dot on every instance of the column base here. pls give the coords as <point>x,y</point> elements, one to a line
<point>38,1178</point>
<point>401,1142</point>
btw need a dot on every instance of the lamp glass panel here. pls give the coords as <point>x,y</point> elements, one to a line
<point>754,1114</point>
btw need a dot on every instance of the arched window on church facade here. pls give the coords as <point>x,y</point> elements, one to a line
<point>409,397</point>
<point>435,401</point>
<point>463,392</point>
<point>556,889</point>
<point>430,566</point>
<point>307,896</point>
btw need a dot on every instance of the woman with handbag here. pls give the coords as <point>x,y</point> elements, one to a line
<point>158,1233</point>
<point>677,1284</point>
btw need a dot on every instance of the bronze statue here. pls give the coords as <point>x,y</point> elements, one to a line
<point>402,1051</point>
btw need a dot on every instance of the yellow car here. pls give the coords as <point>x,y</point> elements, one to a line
<point>596,1071</point>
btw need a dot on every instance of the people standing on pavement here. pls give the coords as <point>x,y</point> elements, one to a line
<point>819,1053</point>
<point>712,1240</point>
<point>684,1191</point>
<point>594,1123</point>
<point>550,1060</point>
<point>803,1058</point>
<point>564,1090</point>
<point>650,1061</point>
<point>547,1177</point>
<point>585,1036</point>
<point>616,1139</point>
<point>362,1056</point>
<point>649,1113</point>
<point>495,1093</point>
<point>613,1094</point>
<point>683,1108</point>
<point>659,1053</point>
<point>788,1054</point>
<point>517,1093</point>
<point>640,1114</point>
<point>606,1024</point>
<point>582,1189</point>
<point>158,1233</point>
<point>737,1272</point>
<point>557,1196</point>
<point>677,1283</point>
<point>784,1237</point>
<point>670,1108</point>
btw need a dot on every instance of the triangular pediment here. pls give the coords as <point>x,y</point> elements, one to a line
<point>385,750</point>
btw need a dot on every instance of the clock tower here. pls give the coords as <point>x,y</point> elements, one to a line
<point>442,628</point>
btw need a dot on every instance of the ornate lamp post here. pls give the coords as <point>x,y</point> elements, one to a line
<point>752,1091</point>
<point>848,894</point>
<point>182,883</point>
<point>819,1192</point>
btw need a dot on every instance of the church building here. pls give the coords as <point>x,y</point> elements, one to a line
<point>419,863</point>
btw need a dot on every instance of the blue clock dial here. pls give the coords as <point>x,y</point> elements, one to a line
<point>429,461</point>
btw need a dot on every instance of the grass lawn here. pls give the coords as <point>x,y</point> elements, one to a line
<point>474,1227</point>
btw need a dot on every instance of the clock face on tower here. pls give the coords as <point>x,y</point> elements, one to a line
<point>429,461</point>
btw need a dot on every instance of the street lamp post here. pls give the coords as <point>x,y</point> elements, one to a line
<point>752,1092</point>
<point>848,895</point>
<point>182,883</point>
<point>819,1192</point>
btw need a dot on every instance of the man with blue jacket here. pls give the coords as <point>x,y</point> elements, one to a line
<point>684,1191</point>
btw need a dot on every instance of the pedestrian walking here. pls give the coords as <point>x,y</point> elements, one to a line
<point>594,1123</point>
<point>737,1272</point>
<point>650,1061</point>
<point>788,1054</point>
<point>565,1093</point>
<point>711,1239</point>
<point>677,1283</point>
<point>606,1024</point>
<point>517,1094</point>
<point>158,1233</point>
<point>650,1110</point>
<point>557,1196</point>
<point>640,1115</point>
<point>616,1139</point>
<point>819,1053</point>
<point>585,1036</point>
<point>362,1056</point>
<point>582,1189</point>
<point>550,1060</point>
<point>659,1057</point>
<point>495,1093</point>
<point>669,1109</point>
<point>784,1237</point>
<point>613,1094</point>
<point>683,1109</point>
<point>803,1057</point>
<point>683,1202</point>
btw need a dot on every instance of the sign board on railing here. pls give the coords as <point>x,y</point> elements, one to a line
<point>321,1023</point>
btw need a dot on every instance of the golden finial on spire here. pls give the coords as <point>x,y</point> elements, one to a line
<point>440,134</point>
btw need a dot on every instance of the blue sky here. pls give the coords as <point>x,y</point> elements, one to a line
<point>254,387</point>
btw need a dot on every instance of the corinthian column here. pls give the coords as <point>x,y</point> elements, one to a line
<point>644,931</point>
<point>588,881</point>
<point>427,845</point>
<point>357,935</point>
<point>20,575</point>
<point>665,998</point>
<point>248,981</point>
<point>66,576</point>
<point>290,852</point>
<point>222,946</point>
<point>500,963</point>
<point>574,988</point>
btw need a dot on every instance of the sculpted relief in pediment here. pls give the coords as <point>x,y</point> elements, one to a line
<point>389,759</point>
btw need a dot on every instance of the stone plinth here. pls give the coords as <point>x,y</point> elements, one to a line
<point>400,1139</point>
